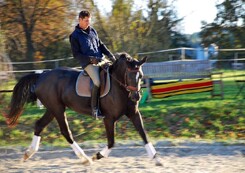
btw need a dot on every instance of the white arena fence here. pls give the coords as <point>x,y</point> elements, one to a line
<point>223,59</point>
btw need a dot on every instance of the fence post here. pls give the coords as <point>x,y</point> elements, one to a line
<point>56,64</point>
<point>182,54</point>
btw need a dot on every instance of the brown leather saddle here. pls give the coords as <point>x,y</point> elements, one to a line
<point>84,84</point>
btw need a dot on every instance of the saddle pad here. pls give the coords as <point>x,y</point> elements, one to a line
<point>84,84</point>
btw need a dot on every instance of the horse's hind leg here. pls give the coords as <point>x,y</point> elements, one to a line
<point>138,124</point>
<point>39,126</point>
<point>65,130</point>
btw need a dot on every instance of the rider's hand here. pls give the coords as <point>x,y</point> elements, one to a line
<point>94,60</point>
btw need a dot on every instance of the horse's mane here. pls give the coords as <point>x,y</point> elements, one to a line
<point>123,55</point>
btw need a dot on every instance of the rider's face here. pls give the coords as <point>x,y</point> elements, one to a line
<point>84,23</point>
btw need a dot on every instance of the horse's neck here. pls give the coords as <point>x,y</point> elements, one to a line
<point>117,75</point>
<point>118,71</point>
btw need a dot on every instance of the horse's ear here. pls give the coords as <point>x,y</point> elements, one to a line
<point>143,60</point>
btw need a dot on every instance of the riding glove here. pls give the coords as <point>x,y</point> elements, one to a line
<point>94,60</point>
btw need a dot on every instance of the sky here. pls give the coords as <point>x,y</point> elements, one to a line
<point>194,12</point>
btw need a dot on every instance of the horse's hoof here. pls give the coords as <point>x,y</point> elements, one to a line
<point>29,153</point>
<point>159,164</point>
<point>97,156</point>
<point>26,157</point>
<point>87,162</point>
<point>158,161</point>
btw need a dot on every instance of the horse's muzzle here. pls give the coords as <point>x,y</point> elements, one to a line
<point>135,96</point>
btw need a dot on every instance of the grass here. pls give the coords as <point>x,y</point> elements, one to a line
<point>195,116</point>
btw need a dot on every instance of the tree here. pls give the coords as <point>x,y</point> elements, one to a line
<point>133,30</point>
<point>228,28</point>
<point>32,25</point>
<point>161,23</point>
<point>119,22</point>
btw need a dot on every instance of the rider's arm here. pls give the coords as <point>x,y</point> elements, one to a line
<point>77,53</point>
<point>106,51</point>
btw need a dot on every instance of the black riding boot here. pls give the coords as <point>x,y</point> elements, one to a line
<point>95,102</point>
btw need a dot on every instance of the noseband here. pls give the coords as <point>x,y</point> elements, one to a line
<point>129,87</point>
<point>125,85</point>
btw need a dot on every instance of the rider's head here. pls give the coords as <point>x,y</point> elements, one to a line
<point>84,19</point>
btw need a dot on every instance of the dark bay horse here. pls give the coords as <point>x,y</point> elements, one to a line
<point>56,90</point>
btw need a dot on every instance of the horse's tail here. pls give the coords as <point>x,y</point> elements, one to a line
<point>23,93</point>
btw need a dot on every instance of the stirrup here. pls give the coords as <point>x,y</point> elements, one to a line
<point>97,114</point>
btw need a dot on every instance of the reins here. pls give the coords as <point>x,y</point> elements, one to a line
<point>5,91</point>
<point>118,81</point>
<point>127,87</point>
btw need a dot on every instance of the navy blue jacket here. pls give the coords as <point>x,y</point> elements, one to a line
<point>86,44</point>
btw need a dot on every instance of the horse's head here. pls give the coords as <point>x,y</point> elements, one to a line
<point>131,72</point>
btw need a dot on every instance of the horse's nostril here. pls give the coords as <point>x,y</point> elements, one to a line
<point>135,96</point>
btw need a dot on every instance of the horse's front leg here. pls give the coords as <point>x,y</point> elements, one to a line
<point>138,124</point>
<point>109,126</point>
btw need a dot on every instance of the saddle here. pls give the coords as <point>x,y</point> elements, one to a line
<point>84,84</point>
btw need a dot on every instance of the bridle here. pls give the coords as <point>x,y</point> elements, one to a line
<point>129,88</point>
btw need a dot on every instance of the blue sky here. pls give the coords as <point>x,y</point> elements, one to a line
<point>194,12</point>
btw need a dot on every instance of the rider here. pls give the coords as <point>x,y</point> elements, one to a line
<point>89,49</point>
